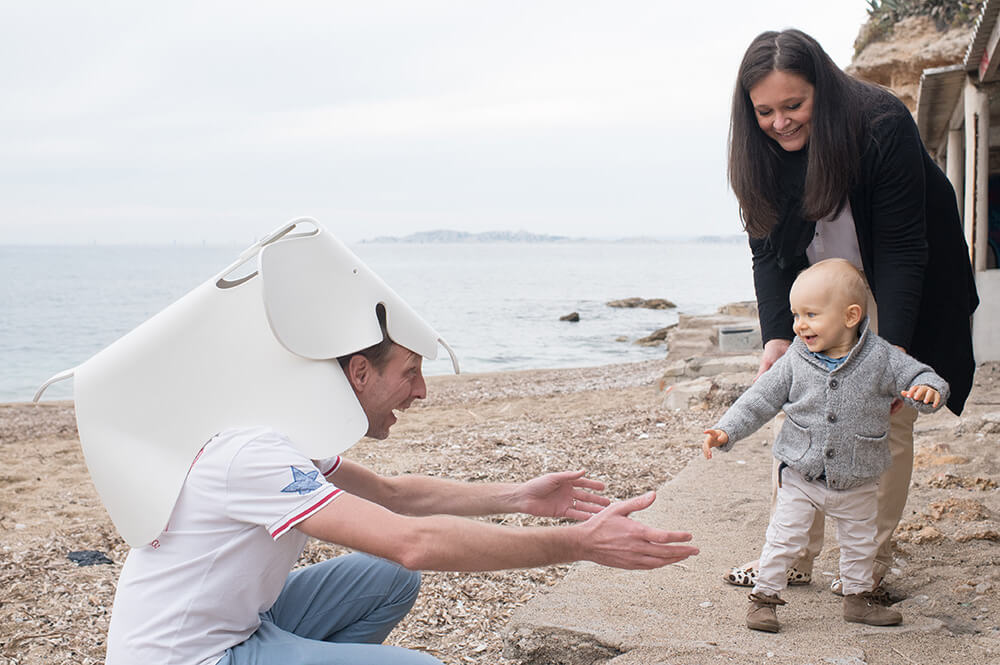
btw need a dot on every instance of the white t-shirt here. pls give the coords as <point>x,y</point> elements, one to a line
<point>225,555</point>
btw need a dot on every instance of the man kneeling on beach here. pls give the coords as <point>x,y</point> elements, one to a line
<point>238,528</point>
<point>215,585</point>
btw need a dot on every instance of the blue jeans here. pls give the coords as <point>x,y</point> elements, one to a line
<point>335,613</point>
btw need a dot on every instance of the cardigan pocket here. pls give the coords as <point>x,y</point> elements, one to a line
<point>794,440</point>
<point>871,455</point>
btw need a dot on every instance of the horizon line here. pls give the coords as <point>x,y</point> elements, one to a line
<point>385,239</point>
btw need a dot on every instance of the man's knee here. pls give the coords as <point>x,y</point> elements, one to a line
<point>408,585</point>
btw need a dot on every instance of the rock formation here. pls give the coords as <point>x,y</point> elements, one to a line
<point>656,337</point>
<point>915,44</point>
<point>652,303</point>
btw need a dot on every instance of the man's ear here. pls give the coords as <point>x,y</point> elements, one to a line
<point>853,315</point>
<point>359,370</point>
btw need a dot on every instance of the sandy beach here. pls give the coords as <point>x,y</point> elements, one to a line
<point>504,426</point>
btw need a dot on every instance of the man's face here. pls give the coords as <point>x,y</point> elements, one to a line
<point>394,387</point>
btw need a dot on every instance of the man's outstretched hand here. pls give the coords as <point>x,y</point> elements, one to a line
<point>612,538</point>
<point>563,494</point>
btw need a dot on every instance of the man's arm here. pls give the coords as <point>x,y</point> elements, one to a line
<point>566,494</point>
<point>443,542</point>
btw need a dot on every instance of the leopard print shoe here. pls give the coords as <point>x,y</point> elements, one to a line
<point>748,576</point>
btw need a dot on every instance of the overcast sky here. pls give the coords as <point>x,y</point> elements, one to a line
<point>216,121</point>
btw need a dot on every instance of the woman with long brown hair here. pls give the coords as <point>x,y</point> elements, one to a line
<point>823,166</point>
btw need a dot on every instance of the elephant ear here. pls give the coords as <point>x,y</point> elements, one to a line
<point>321,301</point>
<point>146,404</point>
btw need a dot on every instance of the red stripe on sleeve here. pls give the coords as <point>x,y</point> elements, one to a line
<point>305,513</point>
<point>336,465</point>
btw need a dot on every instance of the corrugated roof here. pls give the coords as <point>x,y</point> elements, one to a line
<point>981,35</point>
<point>940,88</point>
<point>937,96</point>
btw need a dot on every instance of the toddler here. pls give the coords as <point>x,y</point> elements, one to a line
<point>836,384</point>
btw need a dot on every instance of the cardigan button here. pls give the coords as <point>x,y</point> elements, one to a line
<point>830,453</point>
<point>831,417</point>
<point>834,383</point>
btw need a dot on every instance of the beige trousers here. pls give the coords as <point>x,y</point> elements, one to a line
<point>798,502</point>
<point>893,488</point>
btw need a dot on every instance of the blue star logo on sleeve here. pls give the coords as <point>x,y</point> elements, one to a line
<point>303,482</point>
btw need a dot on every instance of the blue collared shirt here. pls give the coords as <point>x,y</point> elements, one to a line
<point>831,363</point>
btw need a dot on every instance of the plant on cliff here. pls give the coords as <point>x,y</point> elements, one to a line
<point>884,14</point>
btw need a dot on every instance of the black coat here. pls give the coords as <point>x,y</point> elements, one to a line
<point>912,246</point>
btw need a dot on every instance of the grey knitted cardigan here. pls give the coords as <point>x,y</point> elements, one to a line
<point>837,422</point>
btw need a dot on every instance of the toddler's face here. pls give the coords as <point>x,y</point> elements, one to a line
<point>821,318</point>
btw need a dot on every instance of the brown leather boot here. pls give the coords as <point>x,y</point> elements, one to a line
<point>761,614</point>
<point>864,608</point>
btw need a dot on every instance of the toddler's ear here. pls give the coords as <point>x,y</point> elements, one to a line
<point>853,315</point>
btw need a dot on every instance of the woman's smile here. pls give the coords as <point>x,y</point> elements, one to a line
<point>783,104</point>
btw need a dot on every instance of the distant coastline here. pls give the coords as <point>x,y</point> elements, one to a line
<point>452,236</point>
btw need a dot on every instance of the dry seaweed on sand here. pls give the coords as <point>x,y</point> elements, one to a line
<point>506,426</point>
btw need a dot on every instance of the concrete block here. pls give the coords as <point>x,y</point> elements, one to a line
<point>737,338</point>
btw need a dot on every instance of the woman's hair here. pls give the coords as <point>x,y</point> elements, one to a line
<point>834,138</point>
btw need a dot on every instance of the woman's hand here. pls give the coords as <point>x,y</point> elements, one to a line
<point>773,349</point>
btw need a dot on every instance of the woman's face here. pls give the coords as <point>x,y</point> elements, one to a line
<point>783,105</point>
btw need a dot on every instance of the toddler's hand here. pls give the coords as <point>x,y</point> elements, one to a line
<point>924,394</point>
<point>714,439</point>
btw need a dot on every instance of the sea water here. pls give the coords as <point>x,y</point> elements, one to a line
<point>497,304</point>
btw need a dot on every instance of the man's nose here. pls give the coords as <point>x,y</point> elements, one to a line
<point>419,390</point>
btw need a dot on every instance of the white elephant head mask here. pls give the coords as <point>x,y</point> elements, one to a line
<point>255,350</point>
